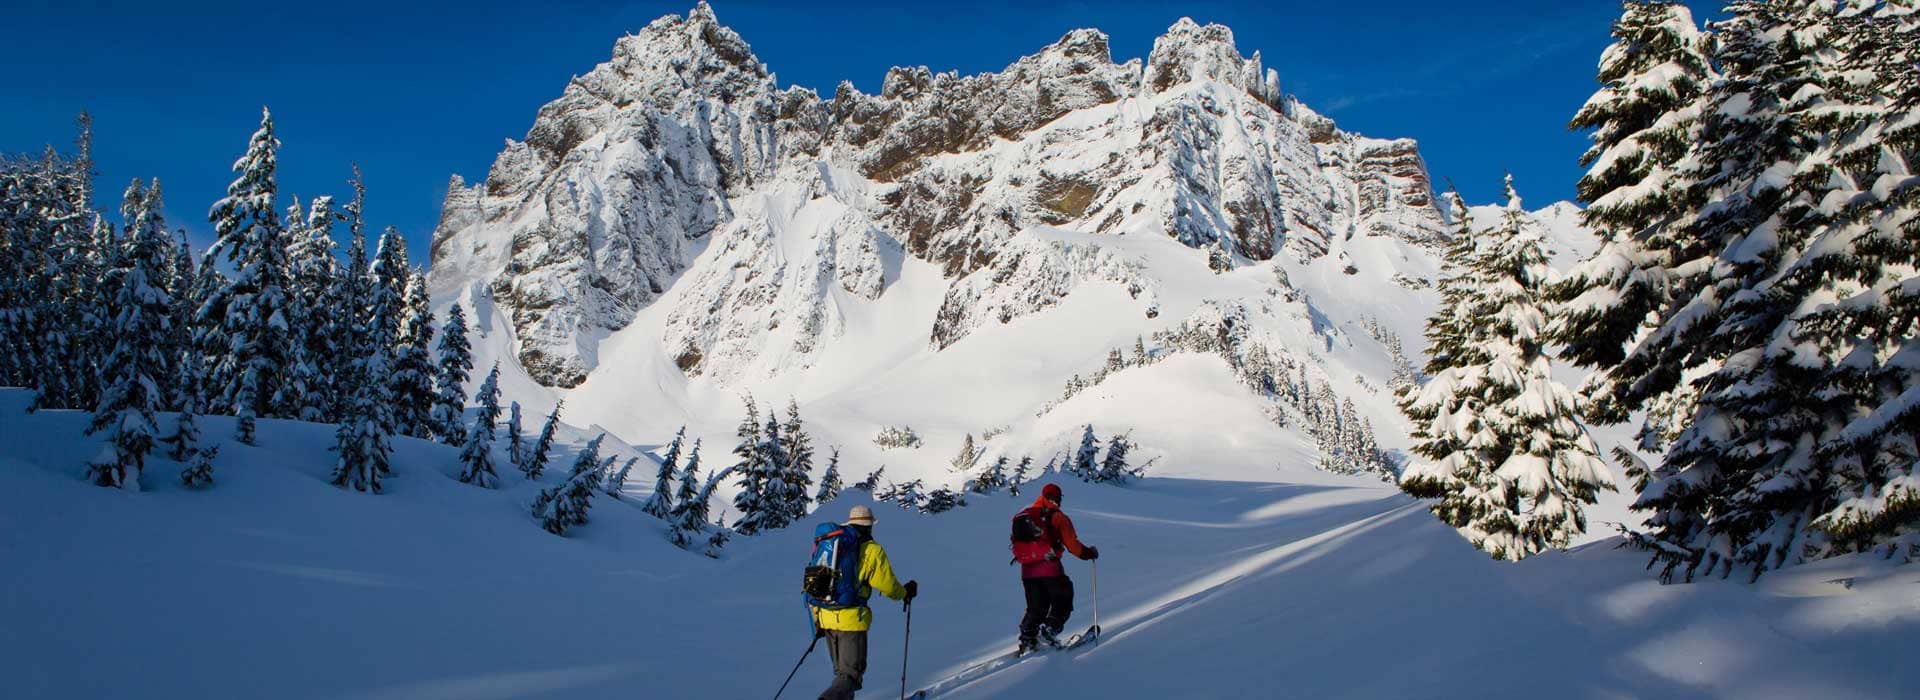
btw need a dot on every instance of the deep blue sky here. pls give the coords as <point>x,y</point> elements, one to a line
<point>417,91</point>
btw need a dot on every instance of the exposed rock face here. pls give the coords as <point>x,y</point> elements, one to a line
<point>684,134</point>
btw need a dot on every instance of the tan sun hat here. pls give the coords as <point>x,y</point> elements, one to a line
<point>860,515</point>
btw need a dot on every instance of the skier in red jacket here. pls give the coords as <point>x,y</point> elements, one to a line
<point>1040,534</point>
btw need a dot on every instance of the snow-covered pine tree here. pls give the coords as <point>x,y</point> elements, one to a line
<point>1740,485</point>
<point>259,349</point>
<point>992,479</point>
<point>1086,460</point>
<point>565,506</point>
<point>476,455</point>
<point>1874,460</point>
<point>872,481</point>
<point>607,475</point>
<point>184,441</point>
<point>716,542</point>
<point>797,447</point>
<point>363,441</point>
<point>689,516</point>
<point>450,381</point>
<point>387,276</point>
<point>617,483</point>
<point>535,463</point>
<point>314,284</point>
<point>300,396</point>
<point>1139,351</point>
<point>1019,476</point>
<point>353,296</point>
<point>1114,468</point>
<point>413,370</point>
<point>967,457</point>
<point>133,372</point>
<point>942,500</point>
<point>660,503</point>
<point>1643,122</point>
<point>1503,450</point>
<point>781,494</point>
<point>753,501</point>
<point>830,484</point>
<point>911,495</point>
<point>515,444</point>
<point>199,472</point>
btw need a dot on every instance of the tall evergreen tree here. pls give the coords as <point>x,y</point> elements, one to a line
<point>450,381</point>
<point>753,501</point>
<point>476,456</point>
<point>565,506</point>
<point>617,485</point>
<point>689,516</point>
<point>967,457</point>
<point>1086,464</point>
<point>797,447</point>
<point>1114,468</point>
<point>259,349</point>
<point>660,504</point>
<point>134,372</point>
<point>1503,451</point>
<point>413,370</point>
<point>314,309</point>
<point>535,462</point>
<point>353,291</point>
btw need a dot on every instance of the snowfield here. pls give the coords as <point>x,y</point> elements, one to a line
<point>1289,584</point>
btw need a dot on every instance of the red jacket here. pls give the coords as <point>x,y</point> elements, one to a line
<point>1064,539</point>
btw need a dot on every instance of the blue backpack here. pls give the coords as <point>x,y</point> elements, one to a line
<point>833,572</point>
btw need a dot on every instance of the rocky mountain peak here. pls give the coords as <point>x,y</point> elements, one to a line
<point>684,134</point>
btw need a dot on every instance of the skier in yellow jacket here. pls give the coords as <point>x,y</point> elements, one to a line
<point>846,629</point>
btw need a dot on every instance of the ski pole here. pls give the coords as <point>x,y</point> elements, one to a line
<point>1096,601</point>
<point>906,646</point>
<point>796,667</point>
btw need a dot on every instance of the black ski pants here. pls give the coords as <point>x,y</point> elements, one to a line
<point>849,652</point>
<point>1049,602</point>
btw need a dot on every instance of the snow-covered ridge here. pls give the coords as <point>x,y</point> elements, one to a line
<point>683,142</point>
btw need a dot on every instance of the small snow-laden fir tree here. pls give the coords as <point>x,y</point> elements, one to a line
<point>476,455</point>
<point>992,478</point>
<point>1114,468</point>
<point>1086,460</point>
<point>516,445</point>
<point>753,501</point>
<point>565,506</point>
<point>910,495</point>
<point>688,518</point>
<point>967,457</point>
<point>198,473</point>
<point>535,463</point>
<point>184,441</point>
<point>716,542</point>
<point>942,500</point>
<point>450,379</point>
<point>617,480</point>
<point>782,493</point>
<point>132,372</point>
<point>413,370</point>
<point>1503,450</point>
<point>797,447</point>
<point>872,481</point>
<point>255,317</point>
<point>363,441</point>
<point>660,503</point>
<point>1019,476</point>
<point>830,484</point>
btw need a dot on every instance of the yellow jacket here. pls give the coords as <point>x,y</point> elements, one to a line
<point>876,576</point>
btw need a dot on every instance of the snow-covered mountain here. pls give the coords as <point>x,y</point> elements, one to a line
<point>954,253</point>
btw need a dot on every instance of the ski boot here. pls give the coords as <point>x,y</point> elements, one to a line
<point>1027,646</point>
<point>1050,636</point>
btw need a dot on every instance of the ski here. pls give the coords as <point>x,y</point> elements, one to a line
<point>1000,663</point>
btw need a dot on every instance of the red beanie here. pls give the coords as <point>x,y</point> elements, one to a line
<point>1051,492</point>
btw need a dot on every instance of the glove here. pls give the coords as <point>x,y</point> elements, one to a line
<point>913,589</point>
<point>1092,553</point>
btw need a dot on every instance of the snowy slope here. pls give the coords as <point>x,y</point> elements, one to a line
<point>274,584</point>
